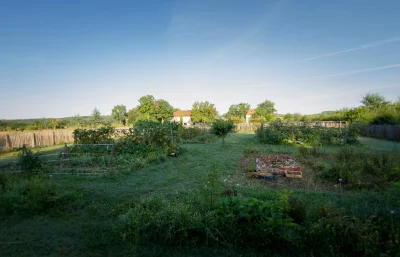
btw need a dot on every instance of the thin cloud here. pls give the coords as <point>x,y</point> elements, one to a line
<point>351,72</point>
<point>365,46</point>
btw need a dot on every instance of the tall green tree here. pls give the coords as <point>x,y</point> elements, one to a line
<point>119,114</point>
<point>146,107</point>
<point>238,111</point>
<point>203,112</point>
<point>396,104</point>
<point>163,110</point>
<point>133,115</point>
<point>96,117</point>
<point>265,110</point>
<point>374,101</point>
<point>151,109</point>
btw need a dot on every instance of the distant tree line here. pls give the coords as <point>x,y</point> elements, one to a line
<point>374,109</point>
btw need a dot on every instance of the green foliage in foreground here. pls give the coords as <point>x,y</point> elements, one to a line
<point>278,222</point>
<point>200,204</point>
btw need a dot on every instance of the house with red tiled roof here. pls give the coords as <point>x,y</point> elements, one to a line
<point>185,114</point>
<point>249,114</point>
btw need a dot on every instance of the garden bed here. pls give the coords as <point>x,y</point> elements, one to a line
<point>271,165</point>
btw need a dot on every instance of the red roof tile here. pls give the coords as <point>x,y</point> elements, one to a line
<point>185,113</point>
<point>250,112</point>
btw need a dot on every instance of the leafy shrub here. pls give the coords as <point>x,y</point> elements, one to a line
<point>269,135</point>
<point>102,135</point>
<point>347,234</point>
<point>148,136</point>
<point>222,128</point>
<point>233,221</point>
<point>191,133</point>
<point>29,161</point>
<point>278,132</point>
<point>258,224</point>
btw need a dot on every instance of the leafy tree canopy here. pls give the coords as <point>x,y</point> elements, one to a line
<point>374,101</point>
<point>203,112</point>
<point>119,113</point>
<point>265,110</point>
<point>150,109</point>
<point>238,111</point>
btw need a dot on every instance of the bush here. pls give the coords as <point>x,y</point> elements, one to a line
<point>222,128</point>
<point>239,222</point>
<point>191,133</point>
<point>148,136</point>
<point>278,133</point>
<point>102,135</point>
<point>29,161</point>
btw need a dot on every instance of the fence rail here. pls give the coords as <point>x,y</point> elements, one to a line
<point>35,139</point>
<point>388,132</point>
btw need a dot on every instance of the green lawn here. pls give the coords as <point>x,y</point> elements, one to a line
<point>380,144</point>
<point>88,226</point>
<point>13,155</point>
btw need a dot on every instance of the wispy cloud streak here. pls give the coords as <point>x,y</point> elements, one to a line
<point>365,46</point>
<point>351,72</point>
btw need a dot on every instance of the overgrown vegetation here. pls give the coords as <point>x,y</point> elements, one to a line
<point>278,133</point>
<point>202,201</point>
<point>103,135</point>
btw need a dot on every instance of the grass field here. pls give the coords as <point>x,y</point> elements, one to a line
<point>89,224</point>
<point>13,155</point>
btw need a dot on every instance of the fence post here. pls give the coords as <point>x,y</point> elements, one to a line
<point>8,141</point>
<point>54,137</point>
<point>33,140</point>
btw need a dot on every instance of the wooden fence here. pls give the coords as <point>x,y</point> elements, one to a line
<point>35,139</point>
<point>388,132</point>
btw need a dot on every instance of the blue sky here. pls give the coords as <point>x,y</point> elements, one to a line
<point>62,58</point>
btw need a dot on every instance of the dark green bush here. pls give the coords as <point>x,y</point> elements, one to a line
<point>238,222</point>
<point>148,136</point>
<point>221,128</point>
<point>30,161</point>
<point>191,133</point>
<point>103,135</point>
<point>278,132</point>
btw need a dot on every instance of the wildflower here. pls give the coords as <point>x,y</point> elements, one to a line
<point>237,185</point>
<point>335,185</point>
<point>391,212</point>
<point>340,180</point>
<point>225,180</point>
